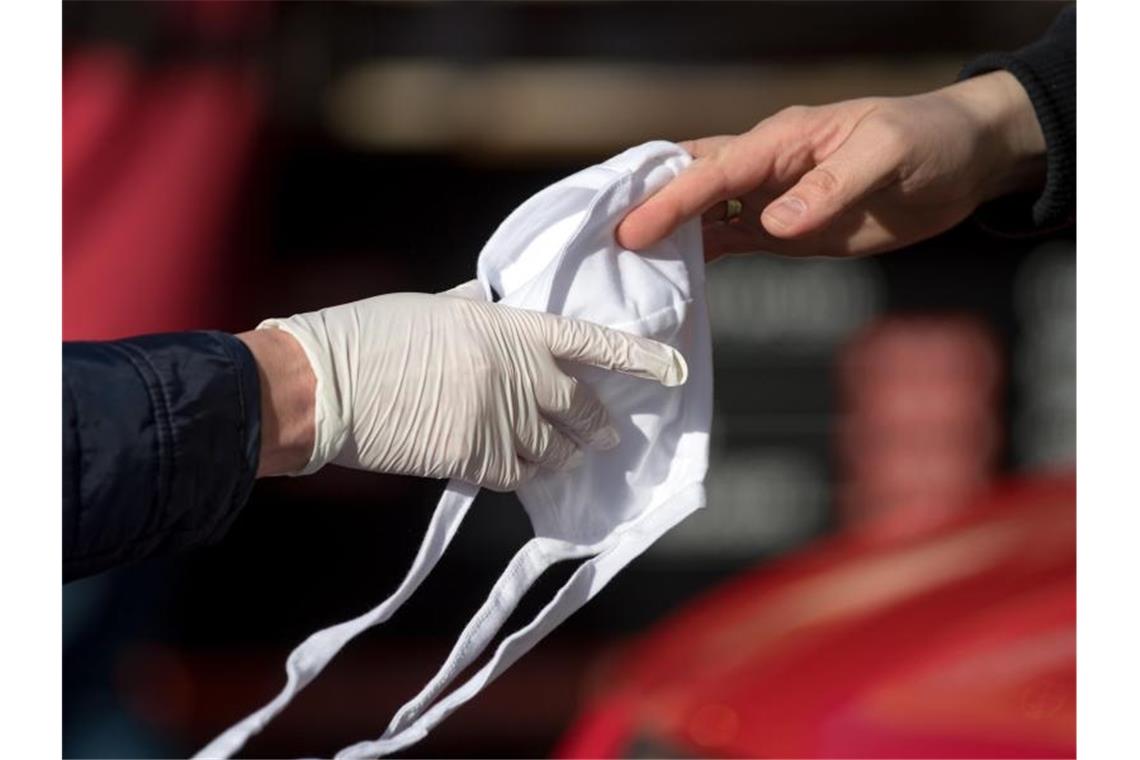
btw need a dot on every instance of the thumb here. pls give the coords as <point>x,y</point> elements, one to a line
<point>585,342</point>
<point>859,167</point>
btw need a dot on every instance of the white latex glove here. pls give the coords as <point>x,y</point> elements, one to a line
<point>448,386</point>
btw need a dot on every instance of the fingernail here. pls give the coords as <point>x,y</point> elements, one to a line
<point>676,370</point>
<point>784,212</point>
<point>574,461</point>
<point>607,438</point>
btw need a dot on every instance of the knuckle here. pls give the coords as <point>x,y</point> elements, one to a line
<point>562,335</point>
<point>565,401</point>
<point>558,454</point>
<point>793,113</point>
<point>591,412</point>
<point>821,182</point>
<point>720,169</point>
<point>579,411</point>
<point>892,131</point>
<point>698,147</point>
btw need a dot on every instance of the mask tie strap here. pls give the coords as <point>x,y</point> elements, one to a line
<point>312,655</point>
<point>585,583</point>
<point>528,564</point>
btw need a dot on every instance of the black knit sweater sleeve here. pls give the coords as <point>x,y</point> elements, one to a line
<point>1047,69</point>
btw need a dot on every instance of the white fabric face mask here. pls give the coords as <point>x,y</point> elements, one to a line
<point>557,253</point>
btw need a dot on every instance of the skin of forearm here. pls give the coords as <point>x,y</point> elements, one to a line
<point>288,397</point>
<point>1007,125</point>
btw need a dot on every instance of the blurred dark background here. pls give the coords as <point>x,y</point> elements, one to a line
<point>224,162</point>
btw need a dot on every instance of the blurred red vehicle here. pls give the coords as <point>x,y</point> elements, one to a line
<point>956,642</point>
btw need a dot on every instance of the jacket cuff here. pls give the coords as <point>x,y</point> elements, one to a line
<point>247,398</point>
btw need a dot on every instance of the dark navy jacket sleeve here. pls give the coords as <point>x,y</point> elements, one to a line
<point>160,445</point>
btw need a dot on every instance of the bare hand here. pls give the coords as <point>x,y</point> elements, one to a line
<point>853,178</point>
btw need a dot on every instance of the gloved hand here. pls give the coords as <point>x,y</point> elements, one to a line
<point>447,386</point>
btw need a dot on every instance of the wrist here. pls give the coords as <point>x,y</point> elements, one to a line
<point>1011,144</point>
<point>288,398</point>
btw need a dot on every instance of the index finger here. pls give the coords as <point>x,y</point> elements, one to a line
<point>704,183</point>
<point>580,341</point>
